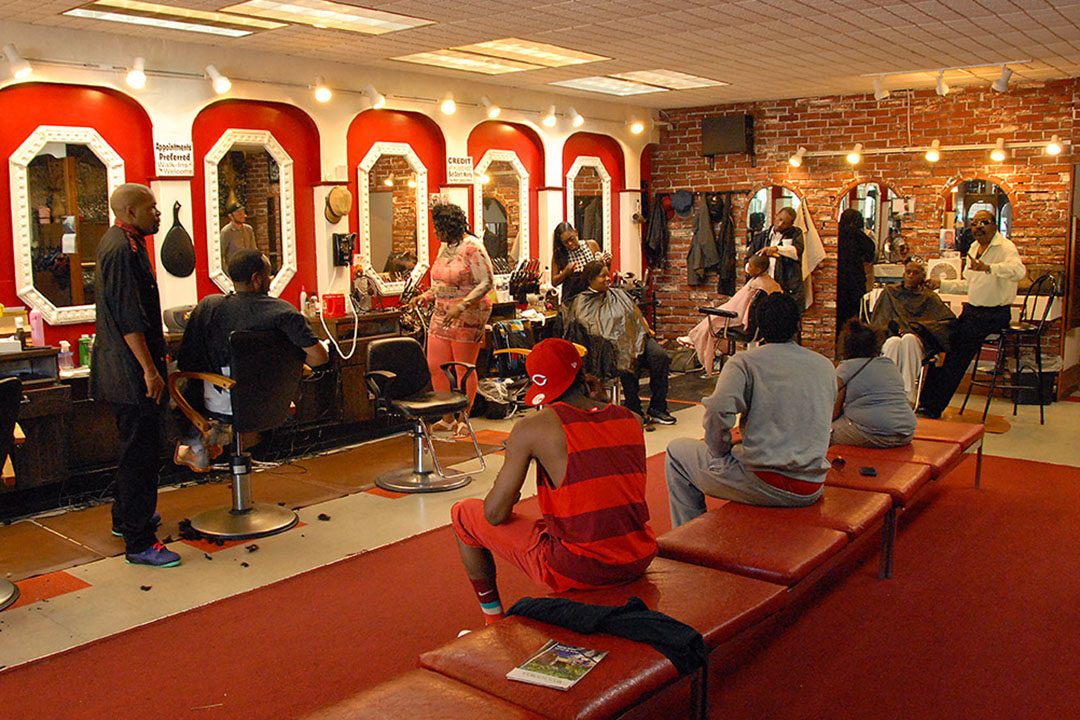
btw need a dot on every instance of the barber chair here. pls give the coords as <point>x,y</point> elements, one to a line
<point>266,369</point>
<point>727,337</point>
<point>10,436</point>
<point>398,376</point>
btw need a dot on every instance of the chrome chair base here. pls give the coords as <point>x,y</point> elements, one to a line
<point>408,480</point>
<point>259,520</point>
<point>9,593</point>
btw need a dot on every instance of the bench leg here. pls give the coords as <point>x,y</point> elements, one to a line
<point>978,464</point>
<point>888,542</point>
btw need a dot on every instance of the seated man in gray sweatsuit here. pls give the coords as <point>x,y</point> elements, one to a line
<point>785,395</point>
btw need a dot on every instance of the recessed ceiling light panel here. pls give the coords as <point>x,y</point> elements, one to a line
<point>609,86</point>
<point>536,53</point>
<point>669,79</point>
<point>327,14</point>
<point>135,12</point>
<point>457,60</point>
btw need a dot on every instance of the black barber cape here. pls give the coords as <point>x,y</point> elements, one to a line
<point>679,643</point>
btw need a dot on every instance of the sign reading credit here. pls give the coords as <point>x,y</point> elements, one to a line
<point>459,170</point>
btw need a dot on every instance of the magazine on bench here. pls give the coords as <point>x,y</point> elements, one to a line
<point>557,665</point>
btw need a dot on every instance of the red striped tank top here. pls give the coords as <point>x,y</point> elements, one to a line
<point>597,517</point>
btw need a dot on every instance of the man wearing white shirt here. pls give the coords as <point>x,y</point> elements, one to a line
<point>993,271</point>
<point>783,245</point>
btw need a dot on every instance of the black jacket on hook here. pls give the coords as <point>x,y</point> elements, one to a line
<point>725,245</point>
<point>703,255</point>
<point>657,237</point>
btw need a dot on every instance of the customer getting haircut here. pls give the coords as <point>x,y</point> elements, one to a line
<point>245,263</point>
<point>451,225</point>
<point>759,261</point>
<point>777,317</point>
<point>592,269</point>
<point>858,340</point>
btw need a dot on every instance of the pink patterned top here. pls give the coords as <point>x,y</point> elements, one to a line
<point>457,271</point>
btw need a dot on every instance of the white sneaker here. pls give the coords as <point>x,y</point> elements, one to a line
<point>684,340</point>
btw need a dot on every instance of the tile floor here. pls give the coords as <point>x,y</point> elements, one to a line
<point>109,596</point>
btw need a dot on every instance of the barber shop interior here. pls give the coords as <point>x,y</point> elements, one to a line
<point>317,319</point>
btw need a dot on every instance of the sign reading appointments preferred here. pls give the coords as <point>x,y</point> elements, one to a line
<point>174,158</point>
<point>459,170</point>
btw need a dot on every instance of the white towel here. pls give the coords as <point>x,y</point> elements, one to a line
<point>813,251</point>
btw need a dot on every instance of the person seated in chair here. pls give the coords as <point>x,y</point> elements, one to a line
<point>612,315</point>
<point>872,408</point>
<point>205,346</point>
<point>703,336</point>
<point>784,396</point>
<point>592,527</point>
<point>916,321</point>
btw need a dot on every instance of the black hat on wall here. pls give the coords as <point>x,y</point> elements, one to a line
<point>682,202</point>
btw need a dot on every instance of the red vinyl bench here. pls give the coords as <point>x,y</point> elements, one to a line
<point>941,457</point>
<point>420,694</point>
<point>963,434</point>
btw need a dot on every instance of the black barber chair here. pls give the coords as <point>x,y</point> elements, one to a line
<point>10,398</point>
<point>727,336</point>
<point>266,370</point>
<point>398,376</point>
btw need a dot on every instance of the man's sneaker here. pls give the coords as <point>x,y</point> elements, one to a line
<point>196,458</point>
<point>664,418</point>
<point>685,341</point>
<point>155,523</point>
<point>157,555</point>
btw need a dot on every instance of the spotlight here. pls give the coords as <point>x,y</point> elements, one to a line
<point>855,156</point>
<point>20,68</point>
<point>1054,148</point>
<point>998,154</point>
<point>934,153</point>
<point>493,110</point>
<point>221,83</point>
<point>796,159</point>
<point>376,98</point>
<point>880,93</point>
<point>1002,83</point>
<point>448,106</point>
<point>942,86</point>
<point>549,119</point>
<point>637,127</point>
<point>575,118</point>
<point>136,77</point>
<point>485,179</point>
<point>322,93</point>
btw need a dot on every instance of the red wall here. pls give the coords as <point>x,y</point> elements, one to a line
<point>120,121</point>
<point>497,135</point>
<point>611,155</point>
<point>418,131</point>
<point>298,135</point>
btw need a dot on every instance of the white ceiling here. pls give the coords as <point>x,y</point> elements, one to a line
<point>765,49</point>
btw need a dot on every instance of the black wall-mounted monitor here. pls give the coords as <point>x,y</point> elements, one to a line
<point>732,134</point>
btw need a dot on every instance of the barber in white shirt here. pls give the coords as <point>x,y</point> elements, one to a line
<point>993,271</point>
<point>783,245</point>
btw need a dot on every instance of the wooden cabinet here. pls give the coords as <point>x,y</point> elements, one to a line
<point>43,458</point>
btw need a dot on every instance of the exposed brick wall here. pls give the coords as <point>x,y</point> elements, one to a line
<point>1038,184</point>
<point>404,227</point>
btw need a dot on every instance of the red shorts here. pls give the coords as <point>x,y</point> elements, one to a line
<point>522,540</point>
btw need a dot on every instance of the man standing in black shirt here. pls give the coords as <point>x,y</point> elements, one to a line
<point>783,245</point>
<point>128,369</point>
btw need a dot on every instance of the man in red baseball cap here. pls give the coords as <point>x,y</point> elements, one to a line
<point>592,527</point>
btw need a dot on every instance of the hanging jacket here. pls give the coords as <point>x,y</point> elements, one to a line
<point>703,255</point>
<point>725,246</point>
<point>657,237</point>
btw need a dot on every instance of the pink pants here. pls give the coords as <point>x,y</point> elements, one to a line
<point>441,350</point>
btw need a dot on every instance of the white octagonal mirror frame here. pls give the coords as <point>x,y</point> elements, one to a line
<point>18,165</point>
<point>523,188</point>
<point>363,180</point>
<point>597,164</point>
<point>233,136</point>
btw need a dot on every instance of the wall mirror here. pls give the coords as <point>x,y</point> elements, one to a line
<point>765,203</point>
<point>501,208</point>
<point>588,200</point>
<point>963,200</point>
<point>61,181</point>
<point>393,215</point>
<point>251,169</point>
<point>883,211</point>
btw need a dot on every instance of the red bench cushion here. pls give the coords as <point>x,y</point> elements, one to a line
<point>940,456</point>
<point>849,511</point>
<point>422,694</point>
<point>631,673</point>
<point>717,604</point>
<point>964,434</point>
<point>756,546</point>
<point>900,480</point>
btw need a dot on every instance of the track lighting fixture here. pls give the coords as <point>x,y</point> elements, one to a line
<point>998,154</point>
<point>20,68</point>
<point>576,120</point>
<point>322,93</point>
<point>942,86</point>
<point>376,98</point>
<point>136,77</point>
<point>880,93</point>
<point>549,118</point>
<point>221,83</point>
<point>796,159</point>
<point>493,110</point>
<point>448,106</point>
<point>934,153</point>
<point>1054,146</point>
<point>637,127</point>
<point>1002,83</point>
<point>855,156</point>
